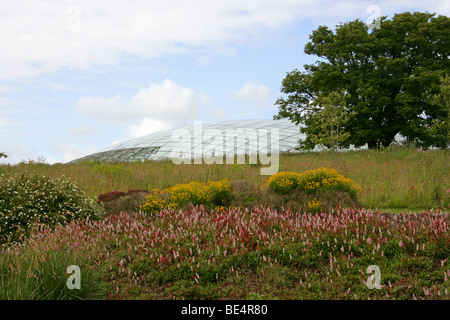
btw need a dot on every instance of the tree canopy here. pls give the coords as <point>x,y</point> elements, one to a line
<point>389,73</point>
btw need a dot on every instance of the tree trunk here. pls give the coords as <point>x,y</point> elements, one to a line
<point>332,147</point>
<point>372,144</point>
<point>388,139</point>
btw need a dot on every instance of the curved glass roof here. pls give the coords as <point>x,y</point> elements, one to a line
<point>206,140</point>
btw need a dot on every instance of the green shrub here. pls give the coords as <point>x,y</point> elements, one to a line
<point>26,201</point>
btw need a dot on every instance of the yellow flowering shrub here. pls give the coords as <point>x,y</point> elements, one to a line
<point>219,191</point>
<point>312,181</point>
<point>283,182</point>
<point>156,201</point>
<point>212,192</point>
<point>315,205</point>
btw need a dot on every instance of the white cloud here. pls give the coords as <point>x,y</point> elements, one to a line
<point>42,36</point>
<point>147,126</point>
<point>16,151</point>
<point>83,131</point>
<point>70,152</point>
<point>19,151</point>
<point>51,160</point>
<point>57,86</point>
<point>111,109</point>
<point>204,61</point>
<point>251,92</point>
<point>168,101</point>
<point>443,7</point>
<point>158,107</point>
<point>6,122</point>
<point>6,89</point>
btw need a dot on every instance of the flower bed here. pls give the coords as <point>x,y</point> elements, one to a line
<point>195,254</point>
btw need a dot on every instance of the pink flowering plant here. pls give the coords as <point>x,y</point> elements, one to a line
<point>237,253</point>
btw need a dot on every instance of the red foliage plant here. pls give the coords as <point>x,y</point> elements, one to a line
<point>105,197</point>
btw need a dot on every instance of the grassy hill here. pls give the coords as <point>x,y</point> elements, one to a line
<point>246,253</point>
<point>394,178</point>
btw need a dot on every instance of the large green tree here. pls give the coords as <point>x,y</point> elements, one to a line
<point>388,72</point>
<point>440,129</point>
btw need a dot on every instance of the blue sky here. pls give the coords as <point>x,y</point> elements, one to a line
<point>77,76</point>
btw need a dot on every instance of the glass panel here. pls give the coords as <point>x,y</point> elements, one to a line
<point>159,145</point>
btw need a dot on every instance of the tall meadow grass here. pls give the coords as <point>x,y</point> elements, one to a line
<point>394,177</point>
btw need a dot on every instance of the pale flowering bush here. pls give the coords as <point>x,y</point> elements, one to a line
<point>26,201</point>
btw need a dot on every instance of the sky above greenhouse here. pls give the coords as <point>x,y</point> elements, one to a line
<point>77,76</point>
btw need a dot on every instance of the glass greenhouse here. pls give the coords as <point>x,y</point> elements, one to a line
<point>206,140</point>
